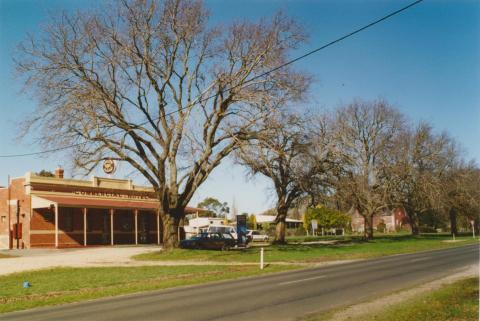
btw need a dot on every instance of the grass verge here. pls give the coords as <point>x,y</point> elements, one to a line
<point>345,248</point>
<point>65,285</point>
<point>454,302</point>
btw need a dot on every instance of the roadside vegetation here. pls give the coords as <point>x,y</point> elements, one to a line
<point>454,302</point>
<point>346,248</point>
<point>65,285</point>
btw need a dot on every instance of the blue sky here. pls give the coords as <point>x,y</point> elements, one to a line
<point>425,61</point>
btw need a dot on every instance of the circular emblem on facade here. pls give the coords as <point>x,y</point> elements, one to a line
<point>109,166</point>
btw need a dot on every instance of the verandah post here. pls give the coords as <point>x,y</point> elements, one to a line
<point>56,225</point>
<point>136,226</point>
<point>111,226</point>
<point>84,226</point>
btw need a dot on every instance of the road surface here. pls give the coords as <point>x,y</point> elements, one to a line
<point>285,296</point>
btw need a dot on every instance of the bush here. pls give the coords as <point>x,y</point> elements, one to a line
<point>326,218</point>
<point>295,232</point>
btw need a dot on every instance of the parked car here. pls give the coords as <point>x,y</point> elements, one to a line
<point>256,236</point>
<point>209,241</point>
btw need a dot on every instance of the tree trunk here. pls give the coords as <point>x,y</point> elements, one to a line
<point>170,230</point>
<point>280,227</point>
<point>368,227</point>
<point>414,224</point>
<point>453,221</point>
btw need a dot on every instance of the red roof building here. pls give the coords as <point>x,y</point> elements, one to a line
<point>37,211</point>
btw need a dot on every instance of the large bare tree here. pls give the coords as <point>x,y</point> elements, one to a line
<point>366,133</point>
<point>421,161</point>
<point>151,83</point>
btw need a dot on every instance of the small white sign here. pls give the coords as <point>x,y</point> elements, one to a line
<point>314,224</point>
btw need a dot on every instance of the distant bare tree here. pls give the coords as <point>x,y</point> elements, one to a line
<point>422,160</point>
<point>131,83</point>
<point>327,163</point>
<point>366,133</point>
<point>460,194</point>
<point>280,154</point>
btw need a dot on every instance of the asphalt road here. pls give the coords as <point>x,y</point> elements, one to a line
<point>284,296</point>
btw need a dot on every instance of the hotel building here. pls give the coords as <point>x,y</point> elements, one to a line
<point>37,211</point>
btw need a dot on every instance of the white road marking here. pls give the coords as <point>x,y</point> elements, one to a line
<point>420,259</point>
<point>302,280</point>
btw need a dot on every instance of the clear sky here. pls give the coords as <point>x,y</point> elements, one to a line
<point>425,61</point>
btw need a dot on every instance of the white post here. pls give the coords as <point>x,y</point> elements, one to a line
<point>56,225</point>
<point>261,258</point>
<point>158,228</point>
<point>84,226</point>
<point>472,222</point>
<point>136,226</point>
<point>111,226</point>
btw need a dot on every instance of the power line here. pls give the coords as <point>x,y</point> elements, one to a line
<point>246,83</point>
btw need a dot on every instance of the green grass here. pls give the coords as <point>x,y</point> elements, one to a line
<point>455,302</point>
<point>64,285</point>
<point>310,238</point>
<point>346,248</point>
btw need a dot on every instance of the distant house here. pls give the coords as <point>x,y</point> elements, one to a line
<point>393,220</point>
<point>270,219</point>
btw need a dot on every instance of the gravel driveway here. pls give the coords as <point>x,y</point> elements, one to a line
<point>35,259</point>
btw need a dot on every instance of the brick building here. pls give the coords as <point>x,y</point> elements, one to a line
<point>393,220</point>
<point>37,211</point>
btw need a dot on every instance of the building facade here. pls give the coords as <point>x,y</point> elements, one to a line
<point>391,221</point>
<point>37,211</point>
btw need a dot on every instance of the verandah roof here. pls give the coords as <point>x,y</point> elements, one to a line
<point>46,201</point>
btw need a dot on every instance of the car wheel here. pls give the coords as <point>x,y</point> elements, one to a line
<point>225,247</point>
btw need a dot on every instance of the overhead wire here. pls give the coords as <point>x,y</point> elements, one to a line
<point>244,84</point>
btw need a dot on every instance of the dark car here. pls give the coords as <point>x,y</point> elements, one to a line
<point>209,241</point>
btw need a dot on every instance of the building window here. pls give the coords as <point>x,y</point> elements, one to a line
<point>4,218</point>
